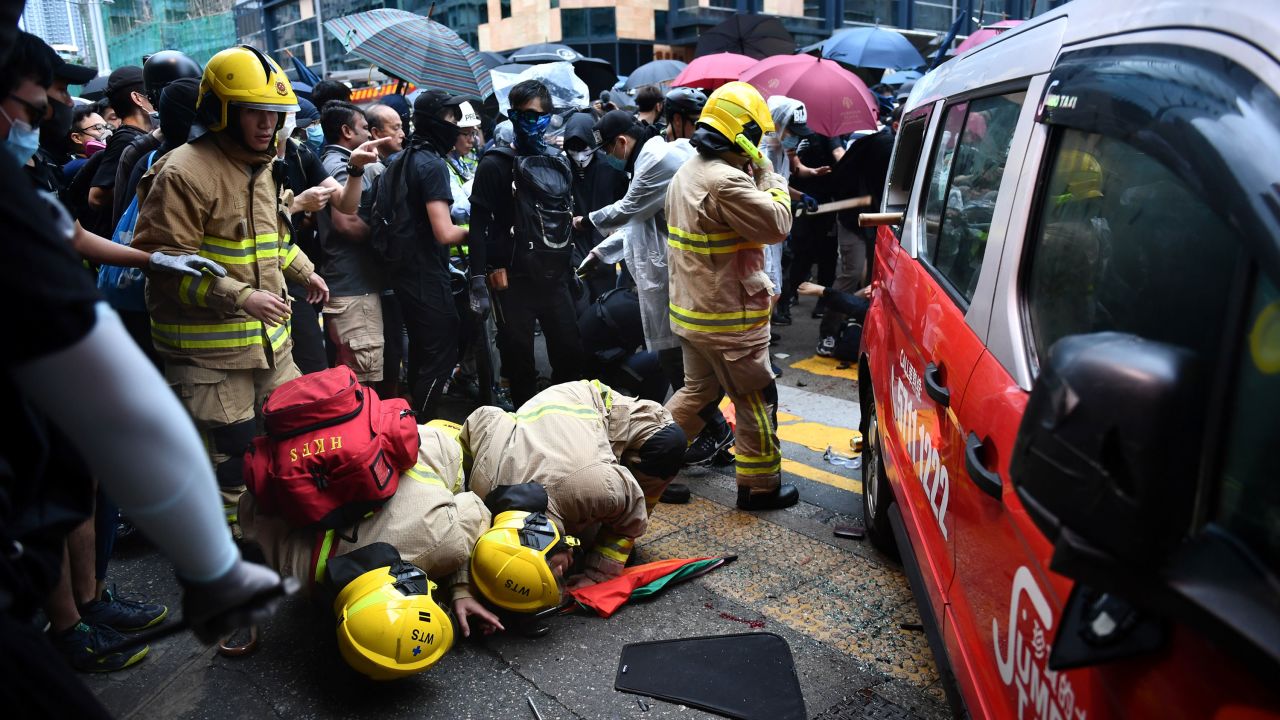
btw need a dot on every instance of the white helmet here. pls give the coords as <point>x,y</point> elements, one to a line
<point>469,117</point>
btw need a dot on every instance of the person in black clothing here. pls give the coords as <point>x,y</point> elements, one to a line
<point>158,71</point>
<point>812,240</point>
<point>861,171</point>
<point>302,171</point>
<point>421,282</point>
<point>125,88</point>
<point>523,299</point>
<point>596,183</point>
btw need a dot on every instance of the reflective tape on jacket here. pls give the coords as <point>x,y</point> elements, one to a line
<point>744,319</point>
<point>195,290</point>
<point>192,336</point>
<point>586,412</point>
<point>613,547</point>
<point>424,474</point>
<point>246,251</point>
<point>780,196</point>
<point>712,244</point>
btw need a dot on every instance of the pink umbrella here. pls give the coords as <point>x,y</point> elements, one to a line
<point>836,100</point>
<point>711,71</point>
<point>985,33</point>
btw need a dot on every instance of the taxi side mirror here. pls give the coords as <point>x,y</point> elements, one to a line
<point>1107,453</point>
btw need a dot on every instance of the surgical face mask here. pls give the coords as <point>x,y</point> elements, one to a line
<point>582,157</point>
<point>23,140</point>
<point>315,137</point>
<point>155,118</point>
<point>615,163</point>
<point>790,142</point>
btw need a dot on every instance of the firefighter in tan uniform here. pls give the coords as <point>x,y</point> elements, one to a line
<point>225,341</point>
<point>723,207</point>
<point>430,520</point>
<point>603,460</point>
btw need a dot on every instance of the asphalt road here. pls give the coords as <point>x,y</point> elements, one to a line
<point>844,610</point>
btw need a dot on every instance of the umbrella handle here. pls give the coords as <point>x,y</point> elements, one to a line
<point>431,9</point>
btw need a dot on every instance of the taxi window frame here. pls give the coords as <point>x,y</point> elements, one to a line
<point>1010,87</point>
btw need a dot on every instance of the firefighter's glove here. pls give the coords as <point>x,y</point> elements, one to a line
<point>809,203</point>
<point>589,264</point>
<point>246,595</point>
<point>479,296</point>
<point>192,265</point>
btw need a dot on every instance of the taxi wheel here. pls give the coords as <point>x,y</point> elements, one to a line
<point>876,493</point>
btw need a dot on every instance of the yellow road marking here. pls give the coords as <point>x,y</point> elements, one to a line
<point>827,366</point>
<point>812,473</point>
<point>816,436</point>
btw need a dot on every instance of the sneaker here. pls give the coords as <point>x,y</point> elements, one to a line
<point>826,347</point>
<point>502,398</point>
<point>96,648</point>
<point>122,614</point>
<point>781,315</point>
<point>707,445</point>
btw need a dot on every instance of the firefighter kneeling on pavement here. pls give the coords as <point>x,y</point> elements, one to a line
<point>575,458</point>
<point>225,341</point>
<point>723,207</point>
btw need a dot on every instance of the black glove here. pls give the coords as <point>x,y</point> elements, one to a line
<point>479,296</point>
<point>246,595</point>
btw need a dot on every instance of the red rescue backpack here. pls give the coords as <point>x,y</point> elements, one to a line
<point>333,451</point>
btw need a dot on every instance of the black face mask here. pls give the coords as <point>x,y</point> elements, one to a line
<point>441,134</point>
<point>55,131</point>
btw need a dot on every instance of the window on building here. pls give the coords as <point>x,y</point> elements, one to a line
<point>504,8</point>
<point>965,179</point>
<point>555,4</point>
<point>602,22</point>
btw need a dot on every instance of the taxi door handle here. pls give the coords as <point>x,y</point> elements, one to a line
<point>933,385</point>
<point>986,480</point>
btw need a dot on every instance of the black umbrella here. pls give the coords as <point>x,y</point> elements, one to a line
<point>654,73</point>
<point>492,60</point>
<point>596,73</point>
<point>95,89</point>
<point>757,36</point>
<point>544,53</point>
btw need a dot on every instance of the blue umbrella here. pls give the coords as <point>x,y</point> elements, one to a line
<point>898,78</point>
<point>872,47</point>
<point>656,72</point>
<point>304,73</point>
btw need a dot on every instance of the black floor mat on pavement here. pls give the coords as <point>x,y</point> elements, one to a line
<point>750,675</point>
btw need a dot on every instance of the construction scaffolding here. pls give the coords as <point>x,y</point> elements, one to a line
<point>199,28</point>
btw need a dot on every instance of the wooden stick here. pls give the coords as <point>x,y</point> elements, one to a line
<point>877,219</point>
<point>838,205</point>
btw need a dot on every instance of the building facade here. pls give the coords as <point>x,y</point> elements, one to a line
<point>136,28</point>
<point>627,33</point>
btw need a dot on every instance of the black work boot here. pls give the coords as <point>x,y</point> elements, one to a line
<point>784,496</point>
<point>675,494</point>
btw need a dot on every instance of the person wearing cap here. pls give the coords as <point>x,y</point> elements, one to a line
<point>225,341</point>
<point>55,131</point>
<point>723,207</point>
<point>596,183</point>
<point>126,91</point>
<point>462,162</point>
<point>422,281</point>
<point>308,128</point>
<point>158,71</point>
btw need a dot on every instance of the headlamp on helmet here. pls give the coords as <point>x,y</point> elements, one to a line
<point>509,564</point>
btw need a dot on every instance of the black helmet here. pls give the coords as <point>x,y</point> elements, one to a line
<point>163,68</point>
<point>684,101</point>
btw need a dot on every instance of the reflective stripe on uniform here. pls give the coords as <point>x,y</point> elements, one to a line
<point>288,253</point>
<point>744,319</point>
<point>780,196</point>
<point>586,412</point>
<point>770,464</point>
<point>244,252</point>
<point>195,291</point>
<point>606,393</point>
<point>190,336</point>
<point>424,474</point>
<point>614,547</point>
<point>322,557</point>
<point>712,244</point>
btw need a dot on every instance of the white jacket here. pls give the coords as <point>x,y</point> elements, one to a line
<point>637,231</point>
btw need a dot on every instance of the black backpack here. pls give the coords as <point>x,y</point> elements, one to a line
<point>542,228</point>
<point>392,231</point>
